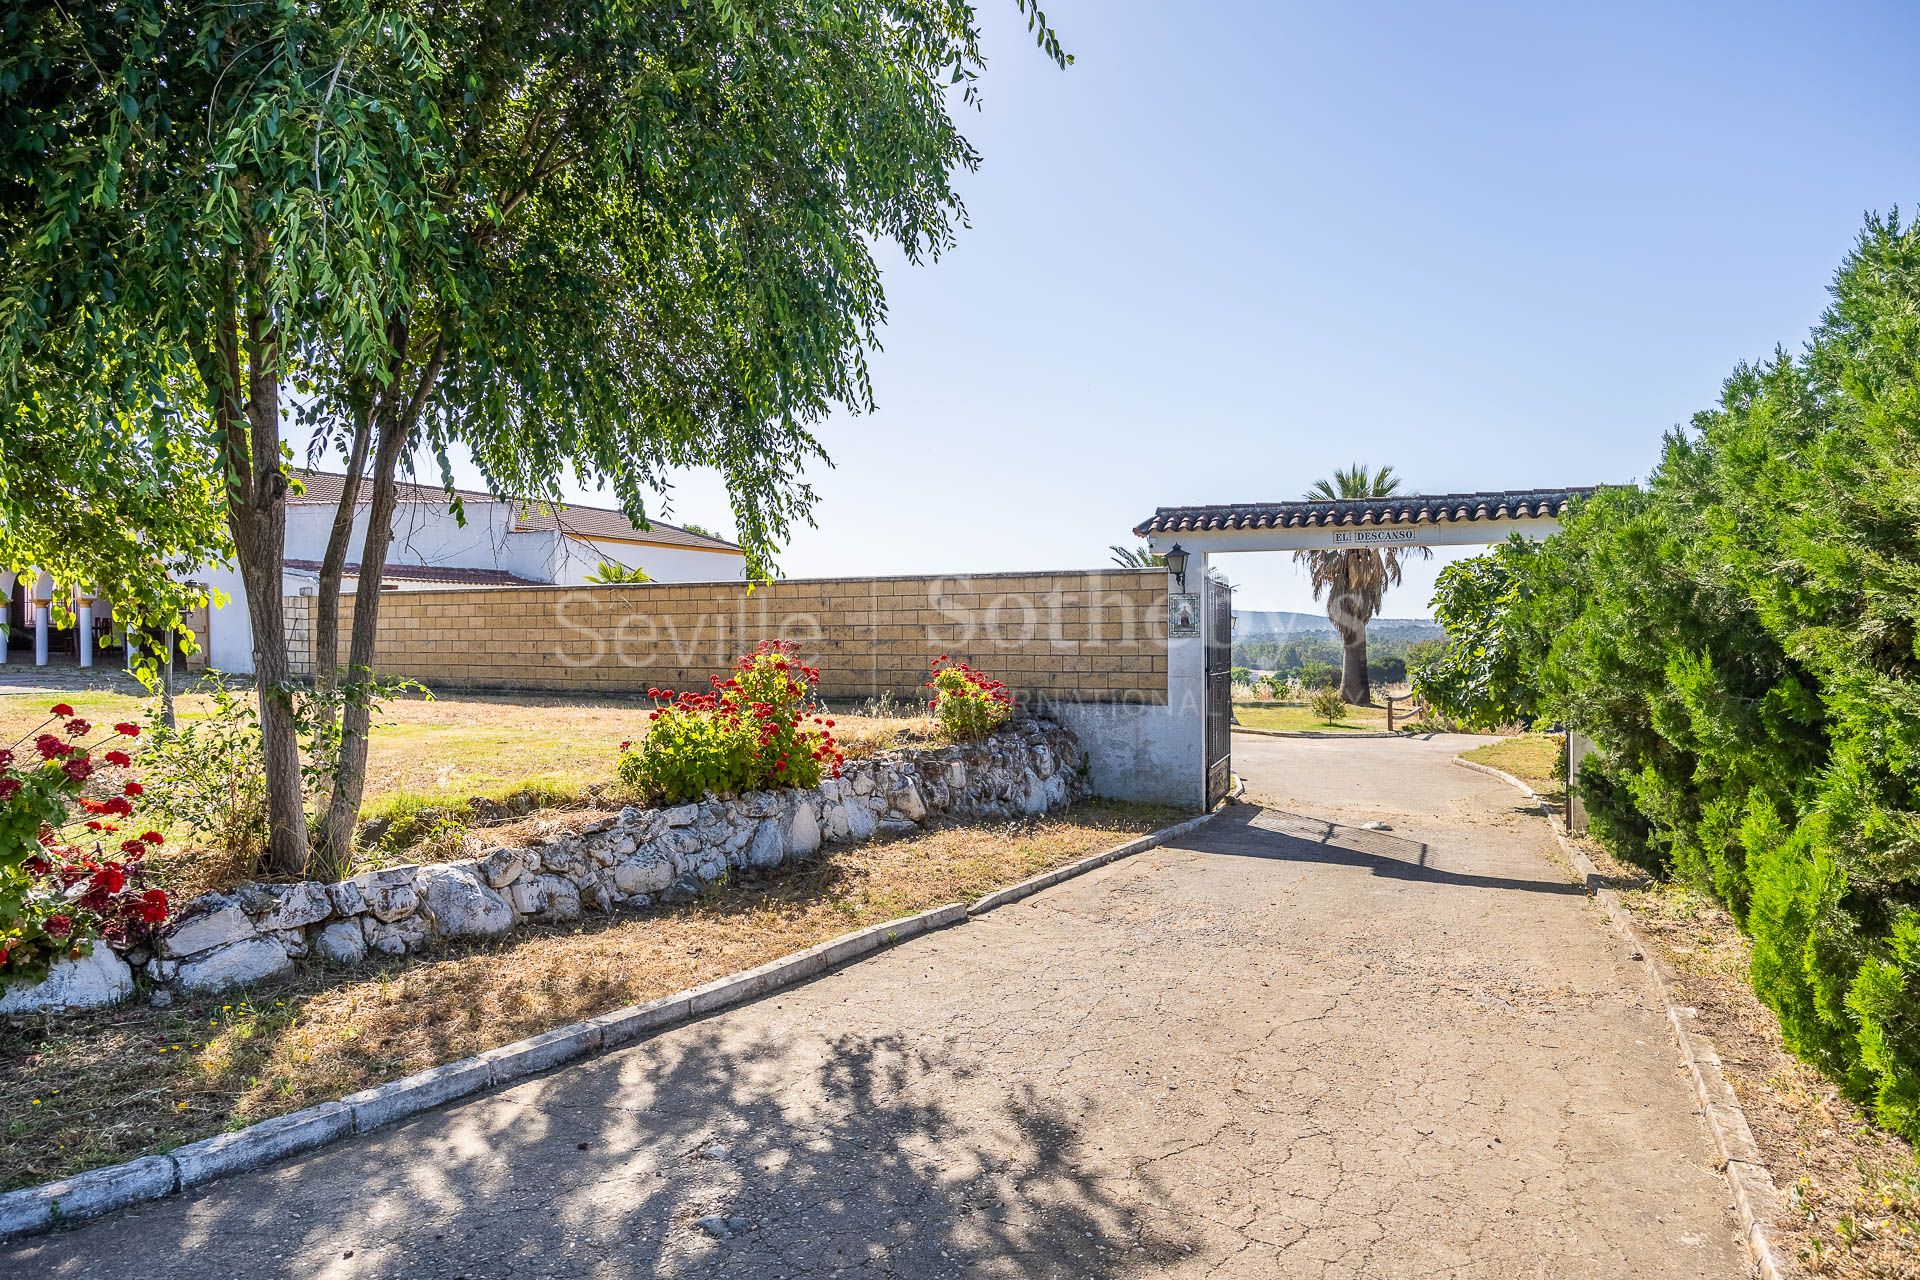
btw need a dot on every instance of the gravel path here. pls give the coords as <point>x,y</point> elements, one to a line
<point>1278,1048</point>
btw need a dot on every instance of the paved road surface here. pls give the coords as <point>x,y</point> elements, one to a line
<point>1279,1048</point>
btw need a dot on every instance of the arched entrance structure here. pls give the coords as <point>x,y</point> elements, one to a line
<point>1190,535</point>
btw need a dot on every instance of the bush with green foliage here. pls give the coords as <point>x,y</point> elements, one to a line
<point>968,703</point>
<point>1314,674</point>
<point>207,773</point>
<point>1480,675</point>
<point>757,729</point>
<point>1327,705</point>
<point>1741,639</point>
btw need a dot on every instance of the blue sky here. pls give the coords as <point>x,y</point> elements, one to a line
<point>1239,244</point>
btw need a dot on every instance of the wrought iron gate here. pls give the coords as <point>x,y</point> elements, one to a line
<point>1219,610</point>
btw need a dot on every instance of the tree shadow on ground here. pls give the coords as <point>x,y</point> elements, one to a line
<point>1252,831</point>
<point>710,1152</point>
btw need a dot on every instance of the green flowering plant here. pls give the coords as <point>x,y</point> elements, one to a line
<point>759,728</point>
<point>968,703</point>
<point>60,887</point>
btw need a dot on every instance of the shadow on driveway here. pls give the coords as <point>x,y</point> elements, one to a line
<point>821,1152</point>
<point>1251,831</point>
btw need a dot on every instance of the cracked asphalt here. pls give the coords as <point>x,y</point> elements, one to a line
<point>1283,1046</point>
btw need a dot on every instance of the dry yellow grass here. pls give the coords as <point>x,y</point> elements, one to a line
<point>80,1092</point>
<point>428,757</point>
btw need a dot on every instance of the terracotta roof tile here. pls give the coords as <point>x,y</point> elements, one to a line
<point>1502,504</point>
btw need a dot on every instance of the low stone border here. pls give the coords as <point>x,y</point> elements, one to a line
<point>1738,1155</point>
<point>32,1210</point>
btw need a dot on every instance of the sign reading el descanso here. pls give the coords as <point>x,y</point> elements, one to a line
<point>1368,537</point>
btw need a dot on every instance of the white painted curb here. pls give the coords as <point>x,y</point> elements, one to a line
<point>32,1210</point>
<point>1754,1192</point>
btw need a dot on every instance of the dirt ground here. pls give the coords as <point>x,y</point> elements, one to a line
<point>1278,1047</point>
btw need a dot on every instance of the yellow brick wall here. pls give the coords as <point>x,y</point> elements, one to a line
<point>1089,636</point>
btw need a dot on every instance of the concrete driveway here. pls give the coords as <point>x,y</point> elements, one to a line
<point>1279,1048</point>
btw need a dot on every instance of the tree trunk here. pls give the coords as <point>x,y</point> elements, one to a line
<point>259,531</point>
<point>350,772</point>
<point>326,625</point>
<point>1354,686</point>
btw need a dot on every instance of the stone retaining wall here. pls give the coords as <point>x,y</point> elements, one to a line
<point>632,859</point>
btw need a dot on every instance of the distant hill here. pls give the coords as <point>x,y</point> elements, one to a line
<point>1264,624</point>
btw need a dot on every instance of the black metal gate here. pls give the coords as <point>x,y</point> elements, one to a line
<point>1219,610</point>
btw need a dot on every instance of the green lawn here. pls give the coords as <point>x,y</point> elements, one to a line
<point>1298,719</point>
<point>1534,758</point>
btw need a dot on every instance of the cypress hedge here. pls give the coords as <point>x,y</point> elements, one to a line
<point>1739,638</point>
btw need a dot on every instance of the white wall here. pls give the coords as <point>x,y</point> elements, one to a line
<point>425,533</point>
<point>581,556</point>
<point>1154,754</point>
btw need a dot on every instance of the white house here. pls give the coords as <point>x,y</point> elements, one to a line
<point>502,542</point>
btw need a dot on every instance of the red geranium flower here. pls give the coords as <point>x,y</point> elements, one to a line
<point>153,837</point>
<point>127,728</point>
<point>50,747</point>
<point>8,788</point>
<point>59,926</point>
<point>134,788</point>
<point>119,759</point>
<point>78,728</point>
<point>78,769</point>
<point>62,709</point>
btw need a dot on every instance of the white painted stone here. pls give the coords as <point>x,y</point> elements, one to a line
<point>95,980</point>
<point>563,898</point>
<point>457,900</point>
<point>768,847</point>
<point>394,938</point>
<point>803,832</point>
<point>682,815</point>
<point>649,874</point>
<point>904,799</point>
<point>342,942</point>
<point>388,894</point>
<point>859,821</point>
<point>237,964</point>
<point>503,867</point>
<point>204,930</point>
<point>299,905</point>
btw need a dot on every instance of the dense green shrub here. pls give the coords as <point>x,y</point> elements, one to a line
<point>208,774</point>
<point>1479,675</point>
<point>759,728</point>
<point>1327,705</point>
<point>1741,639</point>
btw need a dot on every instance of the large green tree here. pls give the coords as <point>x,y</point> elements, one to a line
<point>596,241</point>
<point>1741,639</point>
<point>1355,581</point>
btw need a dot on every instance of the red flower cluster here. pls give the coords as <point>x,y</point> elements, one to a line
<point>969,703</point>
<point>756,728</point>
<point>55,896</point>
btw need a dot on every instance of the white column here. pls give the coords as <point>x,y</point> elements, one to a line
<point>86,631</point>
<point>43,624</point>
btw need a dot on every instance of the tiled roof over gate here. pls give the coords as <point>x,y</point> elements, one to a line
<point>1436,508</point>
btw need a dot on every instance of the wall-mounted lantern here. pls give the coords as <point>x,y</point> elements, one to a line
<point>1177,563</point>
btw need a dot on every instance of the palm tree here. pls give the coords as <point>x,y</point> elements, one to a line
<point>612,573</point>
<point>1355,582</point>
<point>1130,558</point>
